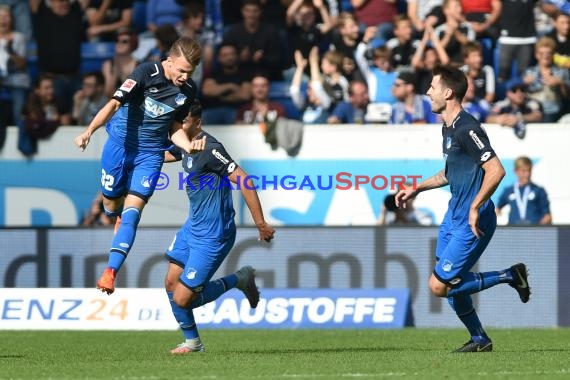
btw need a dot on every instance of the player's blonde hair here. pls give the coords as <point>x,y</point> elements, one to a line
<point>188,48</point>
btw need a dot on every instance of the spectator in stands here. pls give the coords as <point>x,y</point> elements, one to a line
<point>393,215</point>
<point>517,38</point>
<point>421,13</point>
<point>258,43</point>
<point>164,37</point>
<point>454,32</point>
<point>117,69</point>
<point>345,39</point>
<point>561,35</point>
<point>43,114</point>
<point>315,105</point>
<point>14,78</point>
<point>483,76</point>
<point>162,12</point>
<point>528,202</point>
<point>428,55</point>
<point>227,88</point>
<point>58,27</point>
<point>552,7</point>
<point>95,216</point>
<point>106,17</point>
<point>547,83</point>
<point>403,46</point>
<point>22,20</point>
<point>473,104</point>
<point>192,26</point>
<point>379,77</point>
<point>379,13</point>
<point>483,16</point>
<point>260,110</point>
<point>410,108</point>
<point>90,98</point>
<point>303,30</point>
<point>516,110</point>
<point>353,111</point>
<point>335,84</point>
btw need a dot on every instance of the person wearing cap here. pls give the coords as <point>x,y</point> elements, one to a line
<point>516,110</point>
<point>410,108</point>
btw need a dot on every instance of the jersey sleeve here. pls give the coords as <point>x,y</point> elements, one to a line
<point>476,143</point>
<point>132,85</point>
<point>175,151</point>
<point>219,161</point>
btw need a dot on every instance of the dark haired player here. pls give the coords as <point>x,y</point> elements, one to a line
<point>208,235</point>
<point>473,172</point>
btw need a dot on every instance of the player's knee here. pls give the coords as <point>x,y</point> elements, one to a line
<point>183,298</point>
<point>438,288</point>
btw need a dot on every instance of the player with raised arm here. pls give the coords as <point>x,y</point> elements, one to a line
<point>142,119</point>
<point>473,172</point>
<point>208,235</point>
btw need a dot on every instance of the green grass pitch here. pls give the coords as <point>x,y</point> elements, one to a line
<point>284,354</point>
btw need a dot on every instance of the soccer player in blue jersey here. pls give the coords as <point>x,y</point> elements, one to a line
<point>143,119</point>
<point>207,236</point>
<point>473,172</point>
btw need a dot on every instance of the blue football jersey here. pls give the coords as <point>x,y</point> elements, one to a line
<point>150,103</point>
<point>209,190</point>
<point>465,148</point>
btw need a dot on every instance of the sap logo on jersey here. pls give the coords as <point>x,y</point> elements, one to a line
<point>154,109</point>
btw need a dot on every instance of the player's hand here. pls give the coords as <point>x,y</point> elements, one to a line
<point>82,140</point>
<point>197,145</point>
<point>403,196</point>
<point>266,232</point>
<point>474,223</point>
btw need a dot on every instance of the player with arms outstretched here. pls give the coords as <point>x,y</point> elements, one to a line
<point>143,119</point>
<point>473,172</point>
<point>209,233</point>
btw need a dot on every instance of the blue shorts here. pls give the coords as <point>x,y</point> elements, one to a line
<point>129,171</point>
<point>200,259</point>
<point>458,249</point>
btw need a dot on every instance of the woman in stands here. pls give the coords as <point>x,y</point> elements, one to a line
<point>117,69</point>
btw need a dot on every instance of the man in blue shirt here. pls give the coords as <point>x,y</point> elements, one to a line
<point>142,119</point>
<point>208,235</point>
<point>473,172</point>
<point>529,202</point>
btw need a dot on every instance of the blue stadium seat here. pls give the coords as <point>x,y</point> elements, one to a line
<point>93,54</point>
<point>279,92</point>
<point>32,60</point>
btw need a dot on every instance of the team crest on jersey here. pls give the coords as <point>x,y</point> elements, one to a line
<point>191,273</point>
<point>188,162</point>
<point>448,143</point>
<point>128,85</point>
<point>180,99</point>
<point>447,265</point>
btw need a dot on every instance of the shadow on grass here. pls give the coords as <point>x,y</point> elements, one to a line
<point>329,350</point>
<point>13,356</point>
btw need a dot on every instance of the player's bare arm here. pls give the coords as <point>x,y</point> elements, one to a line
<point>494,173</point>
<point>433,182</point>
<point>102,117</point>
<point>179,138</point>
<point>266,231</point>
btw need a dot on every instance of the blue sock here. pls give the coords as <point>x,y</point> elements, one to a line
<point>214,289</point>
<point>123,240</point>
<point>475,282</point>
<point>185,319</point>
<point>463,306</point>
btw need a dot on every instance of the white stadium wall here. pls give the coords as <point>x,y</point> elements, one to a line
<point>57,186</point>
